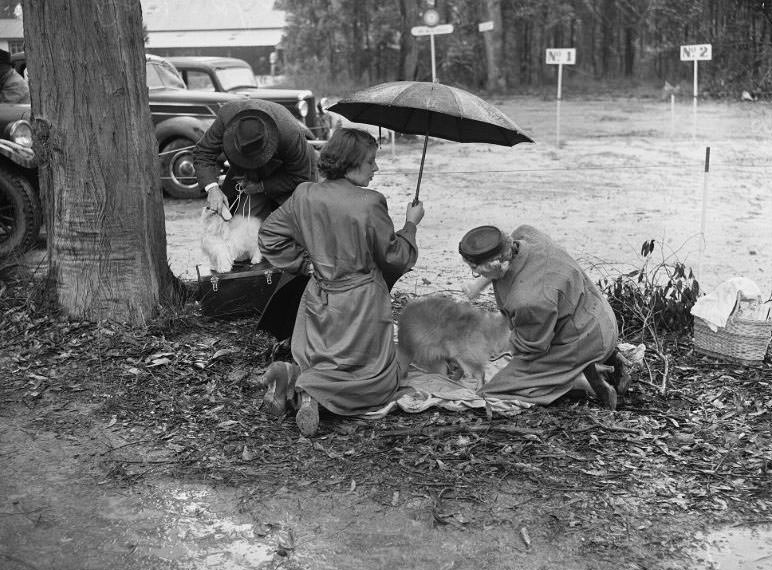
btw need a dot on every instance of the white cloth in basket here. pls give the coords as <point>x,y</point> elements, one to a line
<point>715,307</point>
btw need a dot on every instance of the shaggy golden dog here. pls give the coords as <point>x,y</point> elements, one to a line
<point>436,330</point>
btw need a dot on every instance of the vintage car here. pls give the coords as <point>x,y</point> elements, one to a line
<point>180,117</point>
<point>20,213</point>
<point>231,75</point>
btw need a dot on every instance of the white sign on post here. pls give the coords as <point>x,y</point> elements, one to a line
<point>485,26</point>
<point>699,52</point>
<point>432,31</point>
<point>561,56</point>
<point>695,53</point>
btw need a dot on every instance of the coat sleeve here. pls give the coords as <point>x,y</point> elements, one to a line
<point>533,326</point>
<point>208,148</point>
<point>395,252</point>
<point>295,165</point>
<point>277,243</point>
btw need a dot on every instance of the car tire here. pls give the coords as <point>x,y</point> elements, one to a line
<point>20,213</point>
<point>178,174</point>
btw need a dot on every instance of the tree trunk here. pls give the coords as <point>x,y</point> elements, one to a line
<point>408,51</point>
<point>494,47</point>
<point>99,172</point>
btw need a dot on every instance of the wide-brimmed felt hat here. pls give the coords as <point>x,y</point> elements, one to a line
<point>250,138</point>
<point>481,244</point>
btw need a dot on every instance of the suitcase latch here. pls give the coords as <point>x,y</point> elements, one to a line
<point>268,276</point>
<point>215,282</point>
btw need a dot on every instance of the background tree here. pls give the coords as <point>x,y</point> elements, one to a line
<point>98,170</point>
<point>634,41</point>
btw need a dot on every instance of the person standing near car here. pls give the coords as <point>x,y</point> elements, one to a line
<point>267,153</point>
<point>13,87</point>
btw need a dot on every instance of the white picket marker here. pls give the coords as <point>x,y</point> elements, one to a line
<point>431,29</point>
<point>560,57</point>
<point>703,217</point>
<point>695,53</point>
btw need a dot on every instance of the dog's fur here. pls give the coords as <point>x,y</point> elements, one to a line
<point>435,330</point>
<point>225,242</point>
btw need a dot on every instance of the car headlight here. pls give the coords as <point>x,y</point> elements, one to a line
<point>20,132</point>
<point>303,108</point>
<point>324,102</point>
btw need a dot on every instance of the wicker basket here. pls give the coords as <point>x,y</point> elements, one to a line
<point>742,341</point>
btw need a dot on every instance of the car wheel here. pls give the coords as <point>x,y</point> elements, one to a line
<point>178,173</point>
<point>20,213</point>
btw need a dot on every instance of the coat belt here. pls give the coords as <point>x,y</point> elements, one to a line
<point>325,286</point>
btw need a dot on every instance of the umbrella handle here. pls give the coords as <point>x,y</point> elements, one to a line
<point>421,171</point>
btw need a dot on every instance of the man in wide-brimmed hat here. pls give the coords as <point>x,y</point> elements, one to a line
<point>13,87</point>
<point>268,155</point>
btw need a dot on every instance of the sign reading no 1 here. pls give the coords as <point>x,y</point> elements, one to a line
<point>560,57</point>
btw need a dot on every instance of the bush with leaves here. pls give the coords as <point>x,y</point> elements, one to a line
<point>655,298</point>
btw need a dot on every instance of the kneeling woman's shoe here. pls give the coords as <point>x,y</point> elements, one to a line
<point>307,418</point>
<point>277,378</point>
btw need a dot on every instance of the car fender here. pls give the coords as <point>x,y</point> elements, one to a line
<point>192,128</point>
<point>20,155</point>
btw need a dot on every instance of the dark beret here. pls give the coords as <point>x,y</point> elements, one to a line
<point>481,244</point>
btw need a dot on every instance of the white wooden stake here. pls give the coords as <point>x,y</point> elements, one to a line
<point>703,217</point>
<point>434,69</point>
<point>694,103</point>
<point>557,107</point>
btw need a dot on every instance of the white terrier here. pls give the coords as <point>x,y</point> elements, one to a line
<point>225,242</point>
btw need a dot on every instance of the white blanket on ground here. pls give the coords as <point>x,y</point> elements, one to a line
<point>425,390</point>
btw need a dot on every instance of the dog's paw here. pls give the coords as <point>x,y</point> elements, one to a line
<point>256,258</point>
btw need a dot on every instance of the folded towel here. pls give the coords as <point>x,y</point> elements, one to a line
<point>715,307</point>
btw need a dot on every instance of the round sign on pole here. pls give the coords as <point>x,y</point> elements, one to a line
<point>431,17</point>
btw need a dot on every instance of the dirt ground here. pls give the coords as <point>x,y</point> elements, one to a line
<point>95,473</point>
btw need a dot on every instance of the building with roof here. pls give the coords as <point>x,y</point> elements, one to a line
<point>246,29</point>
<point>11,27</point>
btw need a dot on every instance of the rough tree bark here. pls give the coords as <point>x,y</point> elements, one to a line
<point>494,47</point>
<point>96,149</point>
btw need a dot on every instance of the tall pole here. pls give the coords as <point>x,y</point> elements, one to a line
<point>557,107</point>
<point>703,217</point>
<point>434,69</point>
<point>694,103</point>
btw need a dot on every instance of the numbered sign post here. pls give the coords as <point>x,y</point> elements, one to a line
<point>560,57</point>
<point>695,53</point>
<point>432,31</point>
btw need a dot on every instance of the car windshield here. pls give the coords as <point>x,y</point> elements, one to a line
<point>162,75</point>
<point>235,77</point>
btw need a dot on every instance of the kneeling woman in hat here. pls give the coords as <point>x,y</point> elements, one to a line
<point>563,329</point>
<point>341,232</point>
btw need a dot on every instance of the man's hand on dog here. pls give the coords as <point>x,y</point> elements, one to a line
<point>217,202</point>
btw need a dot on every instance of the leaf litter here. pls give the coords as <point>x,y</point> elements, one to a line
<point>189,390</point>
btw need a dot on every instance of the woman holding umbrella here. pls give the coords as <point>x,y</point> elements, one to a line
<point>340,232</point>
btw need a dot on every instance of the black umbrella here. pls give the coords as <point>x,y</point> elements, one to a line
<point>432,110</point>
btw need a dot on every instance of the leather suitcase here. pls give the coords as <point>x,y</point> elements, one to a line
<point>261,291</point>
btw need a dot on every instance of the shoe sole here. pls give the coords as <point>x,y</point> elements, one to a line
<point>274,405</point>
<point>307,418</point>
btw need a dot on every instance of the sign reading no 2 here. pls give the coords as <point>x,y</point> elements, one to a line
<point>699,52</point>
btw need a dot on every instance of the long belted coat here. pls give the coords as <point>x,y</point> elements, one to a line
<point>560,321</point>
<point>343,336</point>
